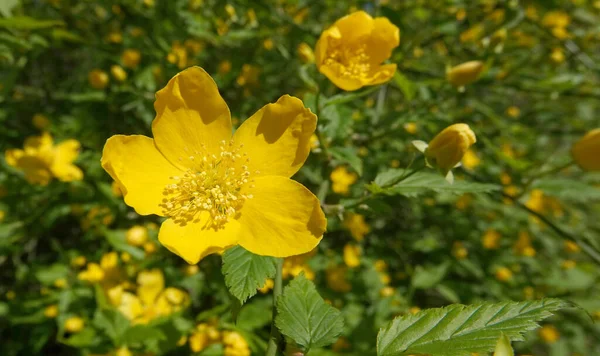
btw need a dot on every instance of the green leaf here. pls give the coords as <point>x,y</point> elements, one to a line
<point>303,316</point>
<point>112,322</point>
<point>424,278</point>
<point>142,333</point>
<point>6,7</point>
<point>408,88</point>
<point>339,121</point>
<point>459,330</point>
<point>49,274</point>
<point>28,23</point>
<point>348,155</point>
<point>255,315</point>
<point>245,272</point>
<point>388,177</point>
<point>423,182</point>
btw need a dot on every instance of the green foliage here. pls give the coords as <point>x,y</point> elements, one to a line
<point>304,317</point>
<point>459,330</point>
<point>245,272</point>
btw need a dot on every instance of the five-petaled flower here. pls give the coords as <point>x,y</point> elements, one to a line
<point>351,52</point>
<point>217,190</point>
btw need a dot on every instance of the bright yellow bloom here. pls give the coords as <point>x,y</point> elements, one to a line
<point>74,324</point>
<point>470,159</point>
<point>235,344</point>
<point>352,255</point>
<point>178,55</point>
<point>448,148</point>
<point>216,190</point>
<point>40,159</point>
<point>137,235</point>
<point>491,240</point>
<point>513,111</point>
<point>305,53</point>
<point>357,226</point>
<point>465,73</point>
<point>387,292</point>
<point>269,284</point>
<point>586,151</point>
<point>114,37</point>
<point>556,19</point>
<point>123,351</point>
<point>351,52</point>
<point>118,73</point>
<point>40,121</point>
<point>98,79</point>
<point>549,334</point>
<point>503,274</point>
<point>342,179</point>
<point>51,311</point>
<point>131,58</point>
<point>557,55</point>
<point>92,274</point>
<point>268,44</point>
<point>411,128</point>
<point>60,283</point>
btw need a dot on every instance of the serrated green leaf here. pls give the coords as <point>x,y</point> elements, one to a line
<point>303,316</point>
<point>459,330</point>
<point>423,182</point>
<point>245,272</point>
<point>112,322</point>
<point>427,277</point>
<point>388,177</point>
<point>348,155</point>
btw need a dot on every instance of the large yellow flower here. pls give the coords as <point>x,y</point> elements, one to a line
<point>351,52</point>
<point>40,159</point>
<point>217,190</point>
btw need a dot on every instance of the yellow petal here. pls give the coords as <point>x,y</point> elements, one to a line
<point>282,219</point>
<point>150,284</point>
<point>191,117</point>
<point>586,151</point>
<point>384,38</point>
<point>277,137</point>
<point>354,26</point>
<point>12,156</point>
<point>348,83</point>
<point>194,241</point>
<point>381,74</point>
<point>64,154</point>
<point>141,171</point>
<point>131,306</point>
<point>35,169</point>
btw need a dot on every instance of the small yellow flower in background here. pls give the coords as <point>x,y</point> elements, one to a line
<point>149,3</point>
<point>249,76</point>
<point>268,44</point>
<point>447,148</point>
<point>269,283</point>
<point>464,201</point>
<point>513,111</point>
<point>305,53</point>
<point>294,265</point>
<point>351,52</point>
<point>93,273</point>
<point>352,255</point>
<point>60,283</point>
<point>123,351</point>
<point>586,151</point>
<point>503,274</point>
<point>357,226</point>
<point>235,344</point>
<point>472,34</point>
<point>465,73</point>
<point>203,336</point>
<point>568,264</point>
<point>411,128</point>
<point>414,310</point>
<point>178,55</point>
<point>10,295</point>
<point>114,37</point>
<point>470,159</point>
<point>125,257</point>
<point>572,247</point>
<point>216,190</point>
<point>51,311</point>
<point>336,279</point>
<point>131,58</point>
<point>387,292</point>
<point>191,270</point>
<point>40,121</point>
<point>491,240</point>
<point>523,245</point>
<point>342,179</point>
<point>557,21</point>
<point>149,247</point>
<point>536,201</point>
<point>118,73</point>
<point>418,52</point>
<point>224,67</point>
<point>98,79</point>
<point>137,235</point>
<point>557,55</point>
<point>40,159</point>
<point>459,251</point>
<point>549,334</point>
<point>74,324</point>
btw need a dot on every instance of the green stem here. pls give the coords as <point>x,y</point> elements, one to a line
<point>275,337</point>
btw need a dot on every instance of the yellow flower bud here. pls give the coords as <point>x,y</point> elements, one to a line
<point>503,274</point>
<point>131,58</point>
<point>118,73</point>
<point>137,235</point>
<point>51,311</point>
<point>465,73</point>
<point>503,347</point>
<point>74,324</point>
<point>447,149</point>
<point>98,79</point>
<point>586,151</point>
<point>549,334</point>
<point>352,255</point>
<point>305,53</point>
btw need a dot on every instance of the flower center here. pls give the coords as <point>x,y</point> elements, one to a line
<point>212,185</point>
<point>350,61</point>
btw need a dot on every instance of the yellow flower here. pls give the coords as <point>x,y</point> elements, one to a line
<point>249,75</point>
<point>572,247</point>
<point>513,111</point>
<point>92,274</point>
<point>268,44</point>
<point>98,79</point>
<point>78,261</point>
<point>470,159</point>
<point>178,55</point>
<point>556,19</point>
<point>40,159</point>
<point>294,265</point>
<point>351,52</point>
<point>465,73</point>
<point>523,245</point>
<point>557,55</point>
<point>549,334</point>
<point>472,34</point>
<point>459,251</point>
<point>342,180</point>
<point>60,283</point>
<point>137,235</point>
<point>269,283</point>
<point>51,311</point>
<point>503,274</point>
<point>336,279</point>
<point>131,58</point>
<point>387,292</point>
<point>411,128</point>
<point>123,351</point>
<point>203,336</point>
<point>491,240</point>
<point>357,226</point>
<point>224,67</point>
<point>586,151</point>
<point>191,270</point>
<point>74,324</point>
<point>118,73</point>
<point>114,37</point>
<point>40,121</point>
<point>568,264</point>
<point>448,148</point>
<point>235,345</point>
<point>352,255</point>
<point>216,190</point>
<point>305,53</point>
